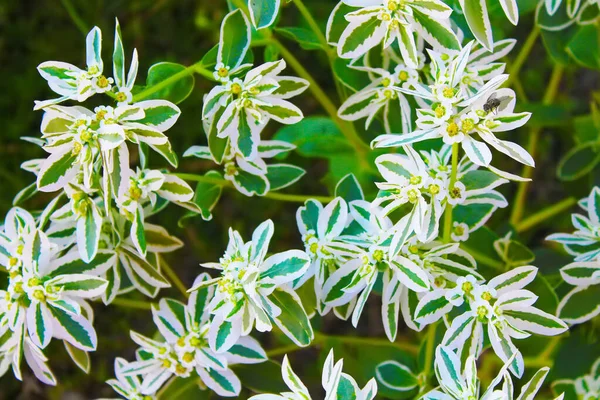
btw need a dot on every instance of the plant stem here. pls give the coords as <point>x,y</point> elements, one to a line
<point>369,341</point>
<point>197,68</point>
<point>164,265</point>
<point>545,214</point>
<point>482,258</point>
<point>82,26</point>
<point>346,127</point>
<point>448,213</point>
<point>517,64</point>
<point>128,303</point>
<point>312,23</point>
<point>521,196</point>
<point>295,198</point>
<point>429,353</point>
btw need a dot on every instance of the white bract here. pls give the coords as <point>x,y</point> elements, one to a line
<point>252,290</point>
<point>337,384</point>
<point>186,350</point>
<point>501,307</point>
<point>383,22</point>
<point>582,303</point>
<point>458,383</point>
<point>455,115</point>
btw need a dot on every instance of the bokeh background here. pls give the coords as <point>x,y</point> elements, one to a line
<point>183,31</point>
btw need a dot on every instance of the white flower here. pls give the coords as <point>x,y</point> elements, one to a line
<point>460,232</point>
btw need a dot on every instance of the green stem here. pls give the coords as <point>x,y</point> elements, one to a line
<point>429,354</point>
<point>517,64</point>
<point>521,195</point>
<point>312,23</point>
<point>448,213</point>
<point>197,68</point>
<point>82,26</point>
<point>346,127</point>
<point>166,268</point>
<point>295,198</point>
<point>545,214</point>
<point>370,341</point>
<point>128,303</point>
<point>482,258</point>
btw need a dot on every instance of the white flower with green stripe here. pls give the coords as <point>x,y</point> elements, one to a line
<point>482,64</point>
<point>242,108</point>
<point>14,346</point>
<point>476,14</point>
<point>456,116</point>
<point>384,22</point>
<point>459,382</point>
<point>81,140</point>
<point>501,308</point>
<point>128,387</point>
<point>139,194</point>
<point>380,96</point>
<point>337,384</point>
<point>252,291</point>
<point>253,177</point>
<point>582,303</point>
<point>18,224</point>
<point>74,83</point>
<point>321,228</point>
<point>185,350</point>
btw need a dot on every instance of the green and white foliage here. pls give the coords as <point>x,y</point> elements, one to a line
<point>455,115</point>
<point>476,14</point>
<point>253,291</point>
<point>337,384</point>
<point>583,387</point>
<point>425,185</point>
<point>582,303</point>
<point>43,301</point>
<point>461,382</point>
<point>384,22</point>
<point>501,310</point>
<point>127,386</point>
<point>381,99</point>
<point>558,15</point>
<point>184,347</point>
<point>254,177</point>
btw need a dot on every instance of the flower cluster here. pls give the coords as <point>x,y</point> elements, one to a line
<point>185,350</point>
<point>236,112</point>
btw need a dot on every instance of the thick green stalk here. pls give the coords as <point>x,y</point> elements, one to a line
<point>128,303</point>
<point>521,196</point>
<point>517,64</point>
<point>545,214</point>
<point>482,258</point>
<point>271,195</point>
<point>311,23</point>
<point>429,354</point>
<point>448,212</point>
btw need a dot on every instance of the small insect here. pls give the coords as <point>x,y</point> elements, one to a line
<point>495,104</point>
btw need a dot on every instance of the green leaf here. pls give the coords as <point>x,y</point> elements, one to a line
<point>263,12</point>
<point>306,38</point>
<point>56,171</point>
<point>265,378</point>
<point>283,175</point>
<point>579,161</point>
<point>235,39</point>
<point>182,81</point>
<point>315,137</point>
<point>475,12</point>
<point>584,47</point>
<point>80,358</point>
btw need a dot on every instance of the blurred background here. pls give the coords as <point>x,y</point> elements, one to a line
<point>183,31</point>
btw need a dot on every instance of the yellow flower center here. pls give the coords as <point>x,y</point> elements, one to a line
<point>102,82</point>
<point>440,111</point>
<point>223,72</point>
<point>121,97</point>
<point>467,125</point>
<point>386,17</point>
<point>403,76</point>
<point>486,296</point>
<point>415,180</point>
<point>452,129</point>
<point>166,363</point>
<point>236,88</point>
<point>188,357</point>
<point>386,82</point>
<point>434,189</point>
<point>39,295</point>
<point>467,287</point>
<point>448,92</point>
